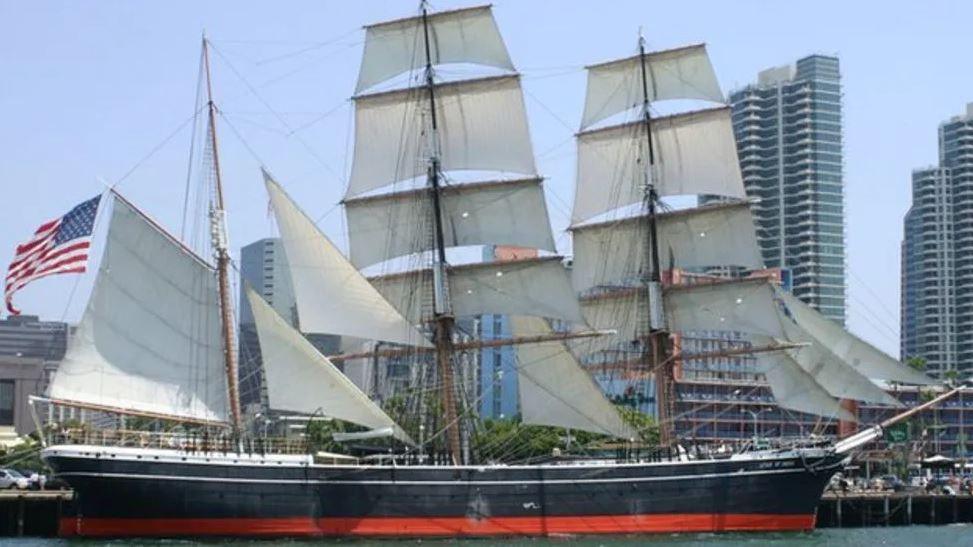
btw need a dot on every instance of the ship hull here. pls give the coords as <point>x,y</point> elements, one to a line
<point>167,495</point>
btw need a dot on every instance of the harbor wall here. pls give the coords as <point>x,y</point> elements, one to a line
<point>865,510</point>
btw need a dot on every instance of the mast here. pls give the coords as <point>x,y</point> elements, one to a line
<point>222,255</point>
<point>654,355</point>
<point>443,316</point>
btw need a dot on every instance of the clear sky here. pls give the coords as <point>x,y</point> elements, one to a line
<point>89,89</point>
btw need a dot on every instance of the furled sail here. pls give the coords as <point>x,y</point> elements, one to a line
<point>681,73</point>
<point>857,353</point>
<point>300,379</point>
<point>468,36</point>
<point>712,235</point>
<point>695,153</point>
<point>150,339</point>
<point>332,296</point>
<point>482,127</point>
<point>536,287</point>
<point>488,213</point>
<point>556,391</point>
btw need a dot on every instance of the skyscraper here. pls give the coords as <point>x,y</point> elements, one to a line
<point>788,132</point>
<point>937,255</point>
<point>263,266</point>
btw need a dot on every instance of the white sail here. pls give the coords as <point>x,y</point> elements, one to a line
<point>795,389</point>
<point>623,311</point>
<point>712,235</point>
<point>860,355</point>
<point>831,372</point>
<point>536,287</point>
<point>332,296</point>
<point>754,306</point>
<point>468,36</point>
<point>695,153</point>
<point>745,305</point>
<point>489,213</point>
<point>150,339</point>
<point>299,379</point>
<point>556,391</point>
<point>482,126</point>
<point>616,86</point>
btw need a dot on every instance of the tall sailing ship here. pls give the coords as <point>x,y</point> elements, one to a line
<point>440,165</point>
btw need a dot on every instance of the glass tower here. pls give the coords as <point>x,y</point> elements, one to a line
<point>788,132</point>
<point>937,255</point>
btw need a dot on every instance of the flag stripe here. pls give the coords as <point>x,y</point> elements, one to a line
<point>58,246</point>
<point>49,254</point>
<point>36,273</point>
<point>53,269</point>
<point>26,250</point>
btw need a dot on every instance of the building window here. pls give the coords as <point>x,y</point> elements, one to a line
<point>6,402</point>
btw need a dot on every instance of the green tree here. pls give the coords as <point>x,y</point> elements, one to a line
<point>510,440</point>
<point>918,363</point>
<point>320,435</point>
<point>951,376</point>
<point>642,423</point>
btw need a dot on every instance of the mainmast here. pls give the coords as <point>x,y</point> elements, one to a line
<point>441,307</point>
<point>222,255</point>
<point>654,354</point>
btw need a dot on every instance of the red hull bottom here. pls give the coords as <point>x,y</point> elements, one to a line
<point>434,527</point>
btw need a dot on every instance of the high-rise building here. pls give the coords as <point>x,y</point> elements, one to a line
<point>788,132</point>
<point>928,287</point>
<point>937,255</point>
<point>263,266</point>
<point>956,155</point>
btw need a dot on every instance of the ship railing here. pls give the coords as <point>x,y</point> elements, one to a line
<point>182,441</point>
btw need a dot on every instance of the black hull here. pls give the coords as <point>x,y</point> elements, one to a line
<point>127,495</point>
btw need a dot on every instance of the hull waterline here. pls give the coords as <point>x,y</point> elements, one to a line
<point>165,493</point>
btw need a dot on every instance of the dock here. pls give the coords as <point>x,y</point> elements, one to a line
<point>32,513</point>
<point>893,509</point>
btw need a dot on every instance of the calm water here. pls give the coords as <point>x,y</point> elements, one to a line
<point>919,536</point>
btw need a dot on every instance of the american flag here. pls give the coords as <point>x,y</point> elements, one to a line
<point>59,246</point>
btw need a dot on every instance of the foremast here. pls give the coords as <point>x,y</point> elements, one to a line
<point>222,256</point>
<point>654,353</point>
<point>442,314</point>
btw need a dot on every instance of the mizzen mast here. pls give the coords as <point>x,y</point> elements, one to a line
<point>222,255</point>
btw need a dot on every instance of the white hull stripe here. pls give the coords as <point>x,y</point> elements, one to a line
<point>739,473</point>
